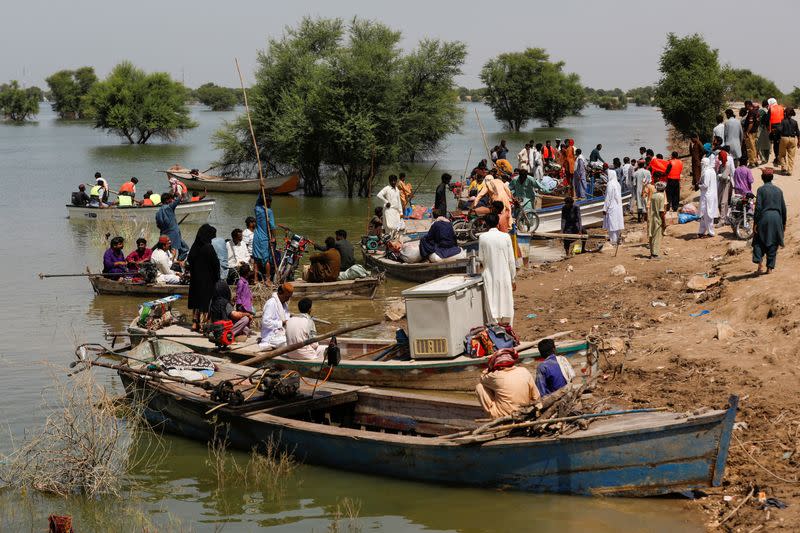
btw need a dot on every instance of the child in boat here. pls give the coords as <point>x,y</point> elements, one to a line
<point>300,328</point>
<point>222,309</point>
<point>244,296</point>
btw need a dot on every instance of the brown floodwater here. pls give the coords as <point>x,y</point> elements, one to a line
<point>43,320</point>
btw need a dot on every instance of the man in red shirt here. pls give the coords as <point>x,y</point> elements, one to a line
<point>673,172</point>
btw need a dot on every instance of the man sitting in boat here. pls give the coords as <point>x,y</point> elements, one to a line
<point>273,320</point>
<point>128,189</point>
<point>147,199</point>
<point>504,388</point>
<point>555,371</point>
<point>178,188</point>
<point>80,198</point>
<point>375,226</point>
<point>347,257</point>
<point>163,257</point>
<point>300,328</point>
<point>440,242</point>
<point>141,254</point>
<point>114,262</point>
<point>238,254</point>
<point>325,266</point>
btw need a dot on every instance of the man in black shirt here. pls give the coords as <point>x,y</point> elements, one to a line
<point>790,136</point>
<point>440,199</point>
<point>80,198</point>
<point>344,247</point>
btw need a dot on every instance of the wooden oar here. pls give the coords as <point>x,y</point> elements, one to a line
<point>292,347</point>
<point>83,274</point>
<point>205,385</point>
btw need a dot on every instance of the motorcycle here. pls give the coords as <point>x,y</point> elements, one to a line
<point>740,215</point>
<point>294,248</point>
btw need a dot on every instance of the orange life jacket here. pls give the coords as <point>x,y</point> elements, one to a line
<point>147,202</point>
<point>658,165</point>
<point>675,171</point>
<point>775,114</point>
<point>547,152</point>
<point>128,186</point>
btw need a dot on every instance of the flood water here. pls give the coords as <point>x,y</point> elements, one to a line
<point>43,320</point>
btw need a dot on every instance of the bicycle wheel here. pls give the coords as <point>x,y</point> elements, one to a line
<point>533,221</point>
<point>744,227</point>
<point>476,227</point>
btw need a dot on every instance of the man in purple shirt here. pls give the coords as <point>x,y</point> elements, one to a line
<point>742,179</point>
<point>114,259</point>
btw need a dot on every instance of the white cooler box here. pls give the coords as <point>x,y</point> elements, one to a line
<point>441,313</point>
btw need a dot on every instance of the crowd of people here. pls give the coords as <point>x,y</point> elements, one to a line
<point>99,194</point>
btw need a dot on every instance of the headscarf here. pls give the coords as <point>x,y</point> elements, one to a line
<point>612,174</point>
<point>705,163</point>
<point>769,171</point>
<point>707,148</point>
<point>287,288</point>
<point>220,300</point>
<point>505,358</point>
<point>205,234</point>
<point>772,101</point>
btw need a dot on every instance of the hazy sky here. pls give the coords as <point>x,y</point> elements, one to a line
<point>610,44</point>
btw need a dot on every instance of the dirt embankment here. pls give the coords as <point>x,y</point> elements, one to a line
<point>747,344</point>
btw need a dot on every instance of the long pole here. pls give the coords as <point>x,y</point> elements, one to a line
<point>290,348</point>
<point>423,180</point>
<point>466,167</point>
<point>369,188</point>
<point>483,134</point>
<point>260,167</point>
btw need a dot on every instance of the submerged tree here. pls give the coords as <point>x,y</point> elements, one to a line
<point>691,90</point>
<point>139,106</point>
<point>215,97</point>
<point>330,97</point>
<point>18,104</point>
<point>68,90</point>
<point>521,86</point>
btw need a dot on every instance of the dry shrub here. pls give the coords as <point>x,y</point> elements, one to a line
<point>130,230</point>
<point>348,510</point>
<point>84,447</point>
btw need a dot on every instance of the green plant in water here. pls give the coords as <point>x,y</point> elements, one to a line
<point>347,510</point>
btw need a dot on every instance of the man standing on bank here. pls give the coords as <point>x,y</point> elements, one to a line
<point>770,222</point>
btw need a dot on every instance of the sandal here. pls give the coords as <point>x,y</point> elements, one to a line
<point>196,325</point>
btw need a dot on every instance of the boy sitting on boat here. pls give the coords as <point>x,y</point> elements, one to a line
<point>300,328</point>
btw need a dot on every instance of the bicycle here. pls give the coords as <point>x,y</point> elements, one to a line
<point>526,218</point>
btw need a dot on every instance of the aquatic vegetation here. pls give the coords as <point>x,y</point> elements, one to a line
<point>347,510</point>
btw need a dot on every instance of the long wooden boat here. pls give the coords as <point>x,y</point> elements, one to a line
<point>358,367</point>
<point>206,182</point>
<point>402,435</point>
<point>189,212</point>
<point>355,289</point>
<point>417,272</point>
<point>591,213</point>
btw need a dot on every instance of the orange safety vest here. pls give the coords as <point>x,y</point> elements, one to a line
<point>675,171</point>
<point>658,165</point>
<point>147,202</point>
<point>128,186</point>
<point>775,114</point>
<point>547,152</point>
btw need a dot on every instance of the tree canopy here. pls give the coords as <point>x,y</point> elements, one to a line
<point>793,98</point>
<point>742,84</point>
<point>521,86</point>
<point>343,98</point>
<point>691,90</point>
<point>18,104</point>
<point>68,90</point>
<point>139,106</point>
<point>216,98</point>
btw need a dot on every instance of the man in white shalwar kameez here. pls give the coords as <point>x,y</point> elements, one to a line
<point>613,220</point>
<point>273,321</point>
<point>496,254</point>
<point>709,208</point>
<point>392,206</point>
<point>522,157</point>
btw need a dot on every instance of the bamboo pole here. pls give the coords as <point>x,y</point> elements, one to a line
<point>466,167</point>
<point>260,168</point>
<point>290,348</point>
<point>369,189</point>
<point>423,180</point>
<point>84,275</point>
<point>483,134</point>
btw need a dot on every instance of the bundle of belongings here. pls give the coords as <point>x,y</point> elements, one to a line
<point>157,314</point>
<point>186,365</point>
<point>486,340</point>
<point>437,245</point>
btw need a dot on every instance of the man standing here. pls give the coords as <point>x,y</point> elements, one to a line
<point>496,254</point>
<point>579,177</point>
<point>273,320</point>
<point>709,209</point>
<point>613,220</point>
<point>570,223</point>
<point>168,224</point>
<point>405,189</point>
<point>162,259</point>
<point>697,151</point>
<point>790,136</point>
<point>724,178</point>
<point>657,223</point>
<point>548,154</point>
<point>641,178</point>
<point>440,198</point>
<point>733,135</point>
<point>523,157</point>
<point>392,206</point>
<point>673,171</point>
<point>751,123</point>
<point>770,222</point>
<point>719,129</point>
<point>776,113</point>
<point>523,190</point>
<point>502,150</point>
<point>595,155</point>
<point>248,233</point>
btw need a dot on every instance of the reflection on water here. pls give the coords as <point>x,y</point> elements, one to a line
<point>43,320</point>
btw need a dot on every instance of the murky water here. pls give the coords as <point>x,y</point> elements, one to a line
<point>42,321</point>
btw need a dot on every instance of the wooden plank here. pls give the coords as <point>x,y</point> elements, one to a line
<point>572,236</point>
<point>324,401</point>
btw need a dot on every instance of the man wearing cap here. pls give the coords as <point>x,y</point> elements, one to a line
<point>163,257</point>
<point>504,387</point>
<point>273,321</point>
<point>656,223</point>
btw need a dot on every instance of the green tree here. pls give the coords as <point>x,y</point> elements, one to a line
<point>335,98</point>
<point>68,90</point>
<point>139,106</point>
<point>521,86</point>
<point>793,98</point>
<point>691,91</point>
<point>18,104</point>
<point>742,84</point>
<point>215,97</point>
<point>642,95</point>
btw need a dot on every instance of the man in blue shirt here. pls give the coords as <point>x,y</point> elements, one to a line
<point>554,372</point>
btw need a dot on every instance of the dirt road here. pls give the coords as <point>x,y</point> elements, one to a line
<point>675,359</point>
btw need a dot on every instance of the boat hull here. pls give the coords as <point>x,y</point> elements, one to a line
<point>416,272</point>
<point>276,186</point>
<point>188,212</point>
<point>639,456</point>
<point>357,289</point>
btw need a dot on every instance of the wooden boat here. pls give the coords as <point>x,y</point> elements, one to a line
<point>189,212</point>
<point>416,272</point>
<point>591,214</point>
<point>358,367</point>
<point>206,182</point>
<point>356,289</point>
<point>402,435</point>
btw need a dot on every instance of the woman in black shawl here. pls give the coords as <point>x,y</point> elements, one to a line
<point>204,269</point>
<point>222,309</point>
